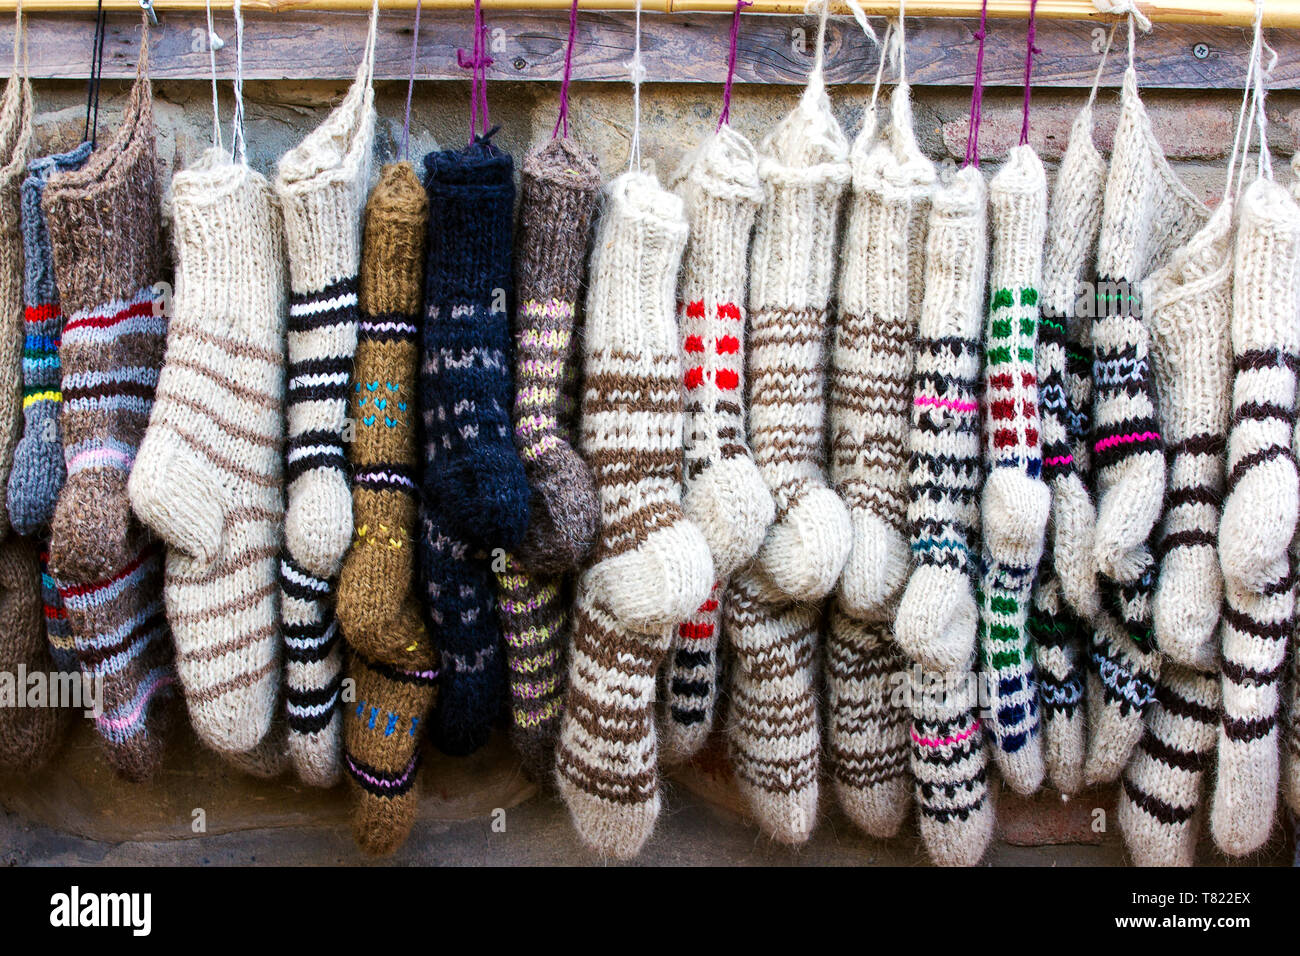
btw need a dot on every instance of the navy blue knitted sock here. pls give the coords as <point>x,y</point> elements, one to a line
<point>476,471</point>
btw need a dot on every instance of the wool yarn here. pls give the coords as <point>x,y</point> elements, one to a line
<point>803,164</point>
<point>691,681</point>
<point>103,222</point>
<point>872,355</point>
<point>1291,727</point>
<point>725,494</point>
<point>651,566</point>
<point>207,478</point>
<point>38,468</point>
<point>1259,515</point>
<point>15,149</point>
<point>559,185</point>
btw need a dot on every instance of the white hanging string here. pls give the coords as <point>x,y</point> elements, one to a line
<point>1101,65</point>
<point>212,61</point>
<point>880,67</point>
<point>1243,120</point>
<point>1258,118</point>
<point>823,7</point>
<point>1119,8</point>
<point>237,132</point>
<point>636,70</point>
<point>902,42</point>
<point>861,16</point>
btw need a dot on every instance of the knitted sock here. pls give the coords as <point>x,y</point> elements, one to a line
<point>651,567</point>
<point>15,147</point>
<point>477,473</point>
<point>725,494</point>
<point>207,478</point>
<point>62,648</point>
<point>690,692</point>
<point>313,671</point>
<point>1160,799</point>
<point>1016,501</point>
<point>38,469</point>
<point>1189,304</point>
<point>104,234</point>
<point>949,765</point>
<point>321,184</point>
<point>936,620</point>
<point>1055,634</point>
<point>866,729</point>
<point>382,733</point>
<point>29,734</point>
<point>534,615</point>
<point>872,355</point>
<point>1291,728</point>
<point>1259,515</point>
<point>557,198</point>
<point>804,168</point>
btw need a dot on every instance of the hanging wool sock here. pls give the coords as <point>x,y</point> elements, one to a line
<point>866,728</point>
<point>1015,500</point>
<point>557,199</point>
<point>207,477</point>
<point>725,494</point>
<point>15,148</point>
<point>1056,637</point>
<point>321,184</point>
<point>937,616</point>
<point>691,677</point>
<point>772,721</point>
<point>1160,799</point>
<point>1291,728</point>
<point>382,732</point>
<point>29,734</point>
<point>872,355</point>
<point>103,222</point>
<point>1259,515</point>
<point>803,164</point>
<point>313,670</point>
<point>477,473</point>
<point>38,468</point>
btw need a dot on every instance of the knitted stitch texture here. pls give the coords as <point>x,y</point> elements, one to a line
<point>15,149</point>
<point>207,478</point>
<point>1056,635</point>
<point>557,199</point>
<point>103,222</point>
<point>1259,515</point>
<point>1291,727</point>
<point>1016,501</point>
<point>38,467</point>
<point>804,168</point>
<point>691,680</point>
<point>872,355</point>
<point>725,494</point>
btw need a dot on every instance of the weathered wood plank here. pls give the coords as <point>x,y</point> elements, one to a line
<point>684,48</point>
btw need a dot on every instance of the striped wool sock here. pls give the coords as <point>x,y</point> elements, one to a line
<point>15,149</point>
<point>1259,516</point>
<point>725,494</point>
<point>1056,636</point>
<point>1159,802</point>
<point>207,478</point>
<point>313,671</point>
<point>804,166</point>
<point>866,727</point>
<point>62,648</point>
<point>1291,727</point>
<point>477,474</point>
<point>872,356</point>
<point>557,200</point>
<point>936,620</point>
<point>691,678</point>
<point>1015,501</point>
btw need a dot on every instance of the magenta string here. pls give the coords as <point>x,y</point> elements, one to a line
<point>977,94</point>
<point>410,84</point>
<point>725,116</point>
<point>1030,50</point>
<point>478,62</point>
<point>562,122</point>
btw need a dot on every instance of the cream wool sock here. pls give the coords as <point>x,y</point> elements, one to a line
<point>1016,501</point>
<point>207,476</point>
<point>937,616</point>
<point>772,723</point>
<point>1259,515</point>
<point>1291,729</point>
<point>1055,632</point>
<point>1189,304</point>
<point>804,168</point>
<point>690,681</point>
<point>872,355</point>
<point>725,494</point>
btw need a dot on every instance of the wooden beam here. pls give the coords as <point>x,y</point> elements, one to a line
<point>679,48</point>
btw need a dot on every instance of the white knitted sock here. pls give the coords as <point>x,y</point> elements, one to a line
<point>207,477</point>
<point>725,493</point>
<point>804,168</point>
<point>936,620</point>
<point>1291,729</point>
<point>1259,515</point>
<point>691,675</point>
<point>872,354</point>
<point>1056,634</point>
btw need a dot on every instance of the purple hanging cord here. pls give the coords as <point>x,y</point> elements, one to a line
<point>724,117</point>
<point>562,122</point>
<point>410,84</point>
<point>1030,50</point>
<point>478,62</point>
<point>977,94</point>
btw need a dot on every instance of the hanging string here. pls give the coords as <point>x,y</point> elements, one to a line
<point>902,42</point>
<point>91,129</point>
<point>1257,72</point>
<point>410,84</point>
<point>1101,65</point>
<point>562,121</point>
<point>880,67</point>
<point>1119,8</point>
<point>1030,50</point>
<point>212,62</point>
<point>819,54</point>
<point>724,118</point>
<point>860,15</point>
<point>1243,123</point>
<point>20,30</point>
<point>237,123</point>
<point>977,93</point>
<point>478,62</point>
<point>636,69</point>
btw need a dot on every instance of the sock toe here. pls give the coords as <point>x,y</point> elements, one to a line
<point>806,550</point>
<point>876,567</point>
